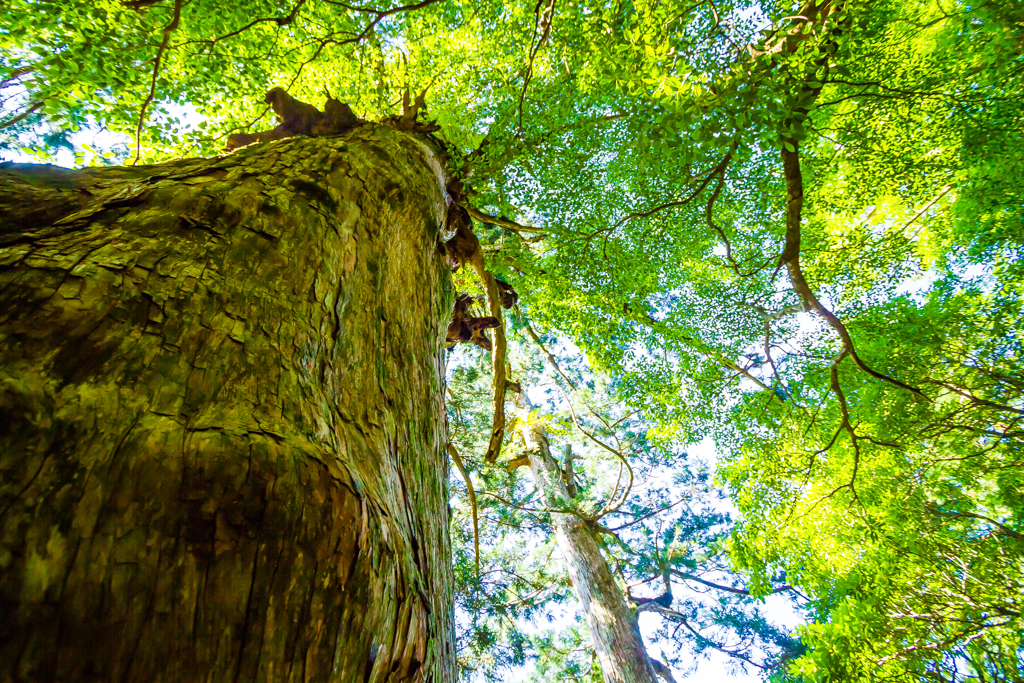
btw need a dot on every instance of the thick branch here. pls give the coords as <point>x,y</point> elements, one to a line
<point>498,220</point>
<point>794,208</point>
<point>791,259</point>
<point>499,381</point>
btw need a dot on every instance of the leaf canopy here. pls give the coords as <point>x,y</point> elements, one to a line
<point>793,229</point>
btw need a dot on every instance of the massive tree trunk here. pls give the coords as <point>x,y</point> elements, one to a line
<point>221,435</point>
<point>613,626</point>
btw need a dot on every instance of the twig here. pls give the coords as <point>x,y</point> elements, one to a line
<point>649,514</point>
<point>970,515</point>
<point>168,30</point>
<point>927,206</point>
<point>15,75</point>
<point>608,508</point>
<point>543,20</point>
<point>683,621</point>
<point>974,399</point>
<point>506,501</point>
<point>728,589</point>
<point>280,21</point>
<point>34,108</point>
<point>551,358</point>
<point>846,425</point>
<point>707,352</point>
<point>720,168</point>
<point>329,39</point>
<point>472,502</point>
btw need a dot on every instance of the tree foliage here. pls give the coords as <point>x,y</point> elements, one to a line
<point>661,521</point>
<point>795,229</point>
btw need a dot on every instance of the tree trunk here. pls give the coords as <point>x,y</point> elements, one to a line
<point>613,626</point>
<point>221,436</point>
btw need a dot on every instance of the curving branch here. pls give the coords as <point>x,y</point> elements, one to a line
<point>974,399</point>
<point>705,351</point>
<point>331,39</point>
<point>727,589</point>
<point>1016,535</point>
<point>15,75</point>
<point>280,21</point>
<point>543,20</point>
<point>847,426</point>
<point>168,30</point>
<point>550,357</point>
<point>648,515</point>
<point>472,502</point>
<point>506,501</point>
<point>717,171</point>
<point>498,220</point>
<point>36,106</point>
<point>609,507</point>
<point>790,257</point>
<point>681,619</point>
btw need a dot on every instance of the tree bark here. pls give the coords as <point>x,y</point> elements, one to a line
<point>221,435</point>
<point>613,626</point>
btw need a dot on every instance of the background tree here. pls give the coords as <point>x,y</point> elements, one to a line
<point>651,517</point>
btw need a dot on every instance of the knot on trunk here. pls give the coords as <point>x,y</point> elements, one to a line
<point>295,117</point>
<point>467,328</point>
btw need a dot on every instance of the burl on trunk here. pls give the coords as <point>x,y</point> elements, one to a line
<point>221,436</point>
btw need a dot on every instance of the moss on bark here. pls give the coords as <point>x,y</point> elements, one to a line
<point>221,435</point>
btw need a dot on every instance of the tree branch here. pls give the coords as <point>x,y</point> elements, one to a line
<point>472,502</point>
<point>791,259</point>
<point>727,589</point>
<point>550,357</point>
<point>280,21</point>
<point>28,112</point>
<point>498,220</point>
<point>1016,535</point>
<point>649,514</point>
<point>544,19</point>
<point>499,379</point>
<point>168,30</point>
<point>719,169</point>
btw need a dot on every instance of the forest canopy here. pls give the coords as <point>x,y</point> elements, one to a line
<point>790,230</point>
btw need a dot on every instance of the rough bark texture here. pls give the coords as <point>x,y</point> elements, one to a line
<point>613,626</point>
<point>221,437</point>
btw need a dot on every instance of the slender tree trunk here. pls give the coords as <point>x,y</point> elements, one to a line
<point>613,626</point>
<point>221,436</point>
